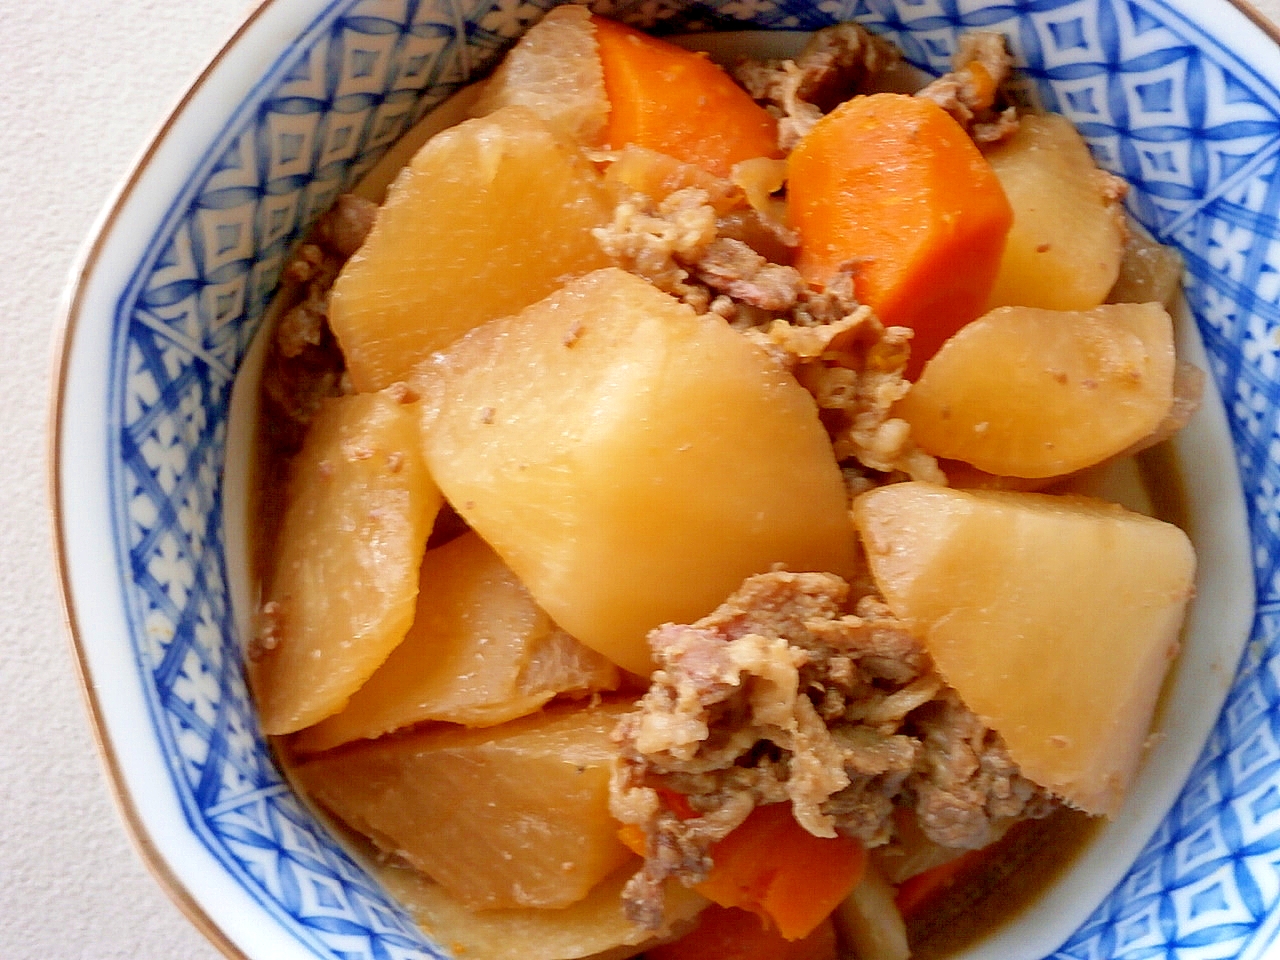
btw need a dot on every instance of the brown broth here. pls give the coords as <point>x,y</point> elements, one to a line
<point>1162,477</point>
<point>268,475</point>
<point>1024,864</point>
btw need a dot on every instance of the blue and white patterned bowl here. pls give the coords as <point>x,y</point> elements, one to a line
<point>1179,96</point>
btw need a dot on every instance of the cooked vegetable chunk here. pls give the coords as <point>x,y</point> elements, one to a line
<point>631,461</point>
<point>587,928</point>
<point>1054,617</point>
<point>1024,392</point>
<point>1150,272</point>
<point>509,816</point>
<point>488,217</point>
<point>776,869</point>
<point>679,102</point>
<point>555,71</point>
<point>341,594</point>
<point>894,187</point>
<point>1064,248</point>
<point>868,920</point>
<point>658,175</point>
<point>480,652</point>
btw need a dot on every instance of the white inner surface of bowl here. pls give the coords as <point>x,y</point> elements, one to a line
<point>177,286</point>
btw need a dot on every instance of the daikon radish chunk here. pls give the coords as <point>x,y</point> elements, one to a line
<point>340,597</point>
<point>510,816</point>
<point>555,71</point>
<point>869,922</point>
<point>1054,617</point>
<point>488,217</point>
<point>588,928</point>
<point>1064,249</point>
<point>1024,392</point>
<point>480,652</point>
<point>630,460</point>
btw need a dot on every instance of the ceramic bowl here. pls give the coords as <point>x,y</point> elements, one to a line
<point>1178,96</point>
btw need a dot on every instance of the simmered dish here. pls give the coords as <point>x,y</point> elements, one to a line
<point>678,547</point>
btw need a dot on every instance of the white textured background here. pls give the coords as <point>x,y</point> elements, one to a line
<point>82,85</point>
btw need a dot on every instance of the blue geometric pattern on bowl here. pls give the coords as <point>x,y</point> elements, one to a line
<point>1191,127</point>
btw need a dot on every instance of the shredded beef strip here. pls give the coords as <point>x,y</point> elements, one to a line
<point>845,60</point>
<point>980,59</point>
<point>304,364</point>
<point>836,63</point>
<point>783,695</point>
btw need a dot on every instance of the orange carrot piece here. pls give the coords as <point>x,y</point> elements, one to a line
<point>772,867</point>
<point>724,933</point>
<point>775,868</point>
<point>679,102</point>
<point>894,186</point>
<point>918,891</point>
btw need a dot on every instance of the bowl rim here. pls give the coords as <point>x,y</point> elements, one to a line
<point>68,322</point>
<point>66,325</point>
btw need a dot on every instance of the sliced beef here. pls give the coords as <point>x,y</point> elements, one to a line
<point>967,789</point>
<point>969,93</point>
<point>801,689</point>
<point>303,363</point>
<point>837,63</point>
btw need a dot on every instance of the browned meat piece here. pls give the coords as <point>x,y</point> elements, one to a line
<point>967,789</point>
<point>303,325</point>
<point>304,364</point>
<point>840,61</point>
<point>981,64</point>
<point>832,303</point>
<point>836,63</point>
<point>854,367</point>
<point>343,228</point>
<point>782,695</point>
<point>993,131</point>
<point>734,268</point>
<point>882,763</point>
<point>293,386</point>
<point>772,240</point>
<point>883,648</point>
<point>659,240</point>
<point>676,244</point>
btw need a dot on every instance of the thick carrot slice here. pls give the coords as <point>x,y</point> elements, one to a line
<point>892,185</point>
<point>775,868</point>
<point>679,103</point>
<point>724,933</point>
